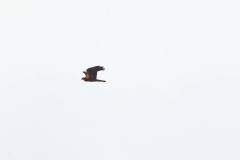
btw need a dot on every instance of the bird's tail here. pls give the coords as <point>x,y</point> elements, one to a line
<point>100,80</point>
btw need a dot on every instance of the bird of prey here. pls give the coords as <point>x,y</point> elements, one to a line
<point>91,74</point>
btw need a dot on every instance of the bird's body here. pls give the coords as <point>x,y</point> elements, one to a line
<point>91,74</point>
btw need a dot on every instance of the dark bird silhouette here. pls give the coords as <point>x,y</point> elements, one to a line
<point>91,74</point>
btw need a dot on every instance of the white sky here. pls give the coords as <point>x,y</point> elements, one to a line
<point>172,72</point>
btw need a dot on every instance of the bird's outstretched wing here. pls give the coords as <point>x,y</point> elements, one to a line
<point>92,72</point>
<point>95,69</point>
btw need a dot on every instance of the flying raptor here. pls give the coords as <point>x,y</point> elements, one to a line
<point>91,74</point>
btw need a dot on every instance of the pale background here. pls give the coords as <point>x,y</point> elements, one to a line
<point>172,72</point>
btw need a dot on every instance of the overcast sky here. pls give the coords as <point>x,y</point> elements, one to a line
<point>172,72</point>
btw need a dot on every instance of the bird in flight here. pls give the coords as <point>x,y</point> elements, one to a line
<point>91,74</point>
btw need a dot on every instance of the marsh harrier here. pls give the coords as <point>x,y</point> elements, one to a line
<point>91,74</point>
